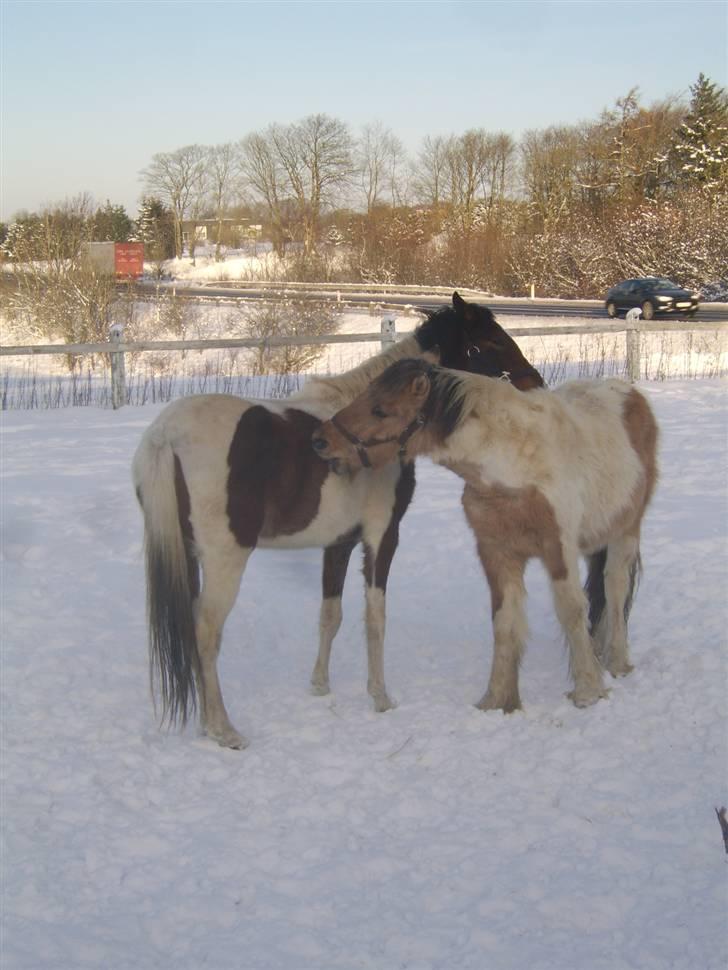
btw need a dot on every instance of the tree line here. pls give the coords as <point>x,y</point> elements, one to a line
<point>640,189</point>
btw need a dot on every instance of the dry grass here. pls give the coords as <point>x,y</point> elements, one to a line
<point>159,377</point>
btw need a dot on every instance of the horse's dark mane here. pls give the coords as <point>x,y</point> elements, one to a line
<point>443,409</point>
<point>430,331</point>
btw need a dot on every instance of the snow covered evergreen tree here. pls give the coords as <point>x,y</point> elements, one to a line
<point>22,239</point>
<point>111,223</point>
<point>155,228</point>
<point>701,143</point>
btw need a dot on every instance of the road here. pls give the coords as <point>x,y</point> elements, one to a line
<point>708,312</point>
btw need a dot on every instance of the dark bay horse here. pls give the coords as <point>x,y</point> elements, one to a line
<point>552,475</point>
<point>218,476</point>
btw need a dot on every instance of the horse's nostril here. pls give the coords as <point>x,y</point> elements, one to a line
<point>318,442</point>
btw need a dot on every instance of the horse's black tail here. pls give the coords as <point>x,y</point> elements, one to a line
<point>596,593</point>
<point>172,577</point>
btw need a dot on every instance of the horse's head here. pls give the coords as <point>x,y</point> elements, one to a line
<point>469,338</point>
<point>378,426</point>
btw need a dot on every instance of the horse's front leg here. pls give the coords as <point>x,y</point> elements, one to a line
<point>493,524</point>
<point>336,562</point>
<point>510,627</point>
<point>376,623</point>
<point>378,555</point>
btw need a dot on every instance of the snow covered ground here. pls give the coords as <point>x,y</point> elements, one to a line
<point>433,837</point>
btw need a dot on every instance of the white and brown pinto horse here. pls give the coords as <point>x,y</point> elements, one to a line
<point>218,476</point>
<point>551,475</point>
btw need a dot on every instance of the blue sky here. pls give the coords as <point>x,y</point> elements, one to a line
<point>91,90</point>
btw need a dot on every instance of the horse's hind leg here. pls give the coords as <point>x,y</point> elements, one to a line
<point>619,582</point>
<point>220,586</point>
<point>571,609</point>
<point>336,562</point>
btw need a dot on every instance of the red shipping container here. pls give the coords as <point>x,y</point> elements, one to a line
<point>129,260</point>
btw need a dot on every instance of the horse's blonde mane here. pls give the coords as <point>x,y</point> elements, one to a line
<point>339,390</point>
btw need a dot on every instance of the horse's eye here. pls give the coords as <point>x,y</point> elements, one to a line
<point>378,412</point>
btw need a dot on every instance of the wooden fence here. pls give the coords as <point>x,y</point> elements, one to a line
<point>116,347</point>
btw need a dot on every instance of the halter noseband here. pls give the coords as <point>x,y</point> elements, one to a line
<point>361,446</point>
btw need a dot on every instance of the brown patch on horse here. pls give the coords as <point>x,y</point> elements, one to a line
<point>512,525</point>
<point>641,427</point>
<point>336,560</point>
<point>184,510</point>
<point>275,478</point>
<point>377,572</point>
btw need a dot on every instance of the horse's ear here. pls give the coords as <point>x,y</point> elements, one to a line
<point>420,387</point>
<point>463,309</point>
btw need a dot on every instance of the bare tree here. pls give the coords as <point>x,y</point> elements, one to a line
<point>623,157</point>
<point>499,167</point>
<point>465,174</point>
<point>378,157</point>
<point>477,166</point>
<point>399,173</point>
<point>316,155</point>
<point>222,164</point>
<point>640,146</point>
<point>178,178</point>
<point>263,171</point>
<point>430,171</point>
<point>550,171</point>
<point>289,318</point>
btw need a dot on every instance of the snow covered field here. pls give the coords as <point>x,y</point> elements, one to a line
<point>433,836</point>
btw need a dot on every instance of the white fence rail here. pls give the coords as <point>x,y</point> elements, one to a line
<point>116,347</point>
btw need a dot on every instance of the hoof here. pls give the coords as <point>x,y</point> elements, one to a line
<point>508,706</point>
<point>382,703</point>
<point>319,688</point>
<point>585,698</point>
<point>620,669</point>
<point>228,738</point>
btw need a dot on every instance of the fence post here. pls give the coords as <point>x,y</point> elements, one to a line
<point>632,336</point>
<point>388,329</point>
<point>118,369</point>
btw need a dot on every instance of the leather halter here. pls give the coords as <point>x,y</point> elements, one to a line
<point>361,446</point>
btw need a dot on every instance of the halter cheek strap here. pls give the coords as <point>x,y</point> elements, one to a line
<point>361,446</point>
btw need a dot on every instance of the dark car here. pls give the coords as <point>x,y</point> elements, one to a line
<point>652,294</point>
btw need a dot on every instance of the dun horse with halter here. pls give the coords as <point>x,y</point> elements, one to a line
<point>218,476</point>
<point>550,474</point>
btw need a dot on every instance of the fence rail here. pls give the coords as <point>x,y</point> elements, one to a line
<point>116,347</point>
<point>372,288</point>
